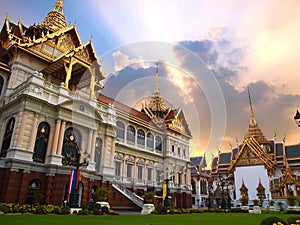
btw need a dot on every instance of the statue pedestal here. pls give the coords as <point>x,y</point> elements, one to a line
<point>147,209</point>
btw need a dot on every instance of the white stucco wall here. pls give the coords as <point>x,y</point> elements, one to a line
<point>251,176</point>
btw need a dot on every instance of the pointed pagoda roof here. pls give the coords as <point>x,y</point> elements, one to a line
<point>157,104</point>
<point>254,130</point>
<point>55,20</point>
<point>260,188</point>
<point>252,148</point>
<point>288,175</point>
<point>244,189</point>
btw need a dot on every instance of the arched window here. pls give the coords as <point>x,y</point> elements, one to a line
<point>141,137</point>
<point>1,84</point>
<point>98,150</point>
<point>120,130</point>
<point>71,147</point>
<point>41,142</point>
<point>33,187</point>
<point>150,140</point>
<point>7,137</point>
<point>130,133</point>
<point>158,143</point>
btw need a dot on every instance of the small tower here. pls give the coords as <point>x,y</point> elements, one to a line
<point>55,20</point>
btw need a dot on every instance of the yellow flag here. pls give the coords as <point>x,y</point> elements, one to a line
<point>164,191</point>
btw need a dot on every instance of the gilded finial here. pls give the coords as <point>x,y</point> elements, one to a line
<point>156,79</point>
<point>252,118</point>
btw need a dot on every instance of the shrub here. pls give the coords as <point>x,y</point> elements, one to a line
<point>83,212</point>
<point>5,208</point>
<point>101,194</point>
<point>273,220</point>
<point>104,209</point>
<point>244,200</point>
<point>96,208</point>
<point>293,219</point>
<point>291,200</point>
<point>161,208</point>
<point>238,210</point>
<point>256,202</point>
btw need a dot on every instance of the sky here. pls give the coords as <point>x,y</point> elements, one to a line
<point>209,52</point>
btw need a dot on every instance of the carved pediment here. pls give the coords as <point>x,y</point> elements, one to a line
<point>79,112</point>
<point>252,153</point>
<point>248,158</point>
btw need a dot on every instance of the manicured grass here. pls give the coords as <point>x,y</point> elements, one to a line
<point>184,219</point>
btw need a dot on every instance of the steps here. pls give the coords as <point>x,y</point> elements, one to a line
<point>139,201</point>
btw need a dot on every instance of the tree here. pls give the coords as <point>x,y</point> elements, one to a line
<point>101,194</point>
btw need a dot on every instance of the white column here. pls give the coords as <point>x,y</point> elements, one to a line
<point>33,132</point>
<point>55,137</point>
<point>23,119</point>
<point>94,136</point>
<point>61,138</point>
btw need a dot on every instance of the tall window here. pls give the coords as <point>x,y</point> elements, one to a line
<point>150,140</point>
<point>118,168</point>
<point>120,130</point>
<point>178,150</point>
<point>130,133</point>
<point>7,136</point>
<point>41,142</point>
<point>71,147</point>
<point>98,150</point>
<point>140,172</point>
<point>129,170</point>
<point>141,137</point>
<point>158,143</point>
<point>158,175</point>
<point>149,171</point>
<point>1,84</point>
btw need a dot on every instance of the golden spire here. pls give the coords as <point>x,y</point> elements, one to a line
<point>55,19</point>
<point>156,102</point>
<point>156,79</point>
<point>254,130</point>
<point>252,118</point>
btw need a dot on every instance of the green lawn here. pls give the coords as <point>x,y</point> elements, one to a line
<point>185,219</point>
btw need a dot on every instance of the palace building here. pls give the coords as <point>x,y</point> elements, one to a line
<point>257,168</point>
<point>53,119</point>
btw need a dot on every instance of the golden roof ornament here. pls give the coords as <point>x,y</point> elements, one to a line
<point>156,102</point>
<point>55,19</point>
<point>254,130</point>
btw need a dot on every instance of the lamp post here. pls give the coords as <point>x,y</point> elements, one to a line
<point>297,118</point>
<point>73,188</point>
<point>225,196</point>
<point>166,201</point>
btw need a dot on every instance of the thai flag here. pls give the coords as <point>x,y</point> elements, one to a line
<point>74,180</point>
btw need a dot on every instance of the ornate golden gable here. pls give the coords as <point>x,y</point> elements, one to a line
<point>252,153</point>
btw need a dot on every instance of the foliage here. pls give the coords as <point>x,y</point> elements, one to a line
<point>83,212</point>
<point>148,196</point>
<point>271,202</point>
<point>96,208</point>
<point>293,220</point>
<point>244,200</point>
<point>36,209</point>
<point>255,202</point>
<point>175,219</point>
<point>280,205</point>
<point>104,209</point>
<point>238,210</point>
<point>161,208</point>
<point>273,220</point>
<point>39,197</point>
<point>100,193</point>
<point>291,200</point>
